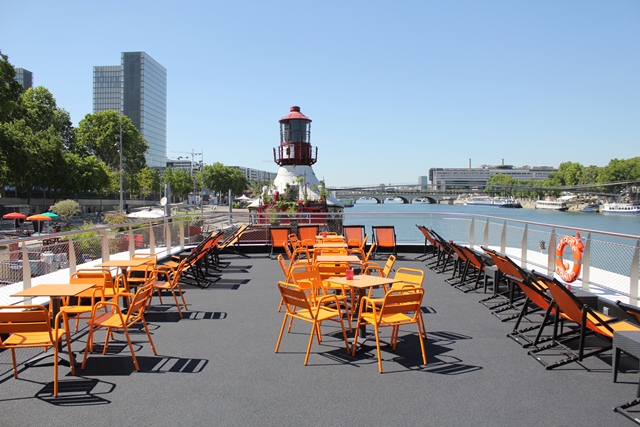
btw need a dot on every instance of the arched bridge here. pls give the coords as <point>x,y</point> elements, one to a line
<point>407,196</point>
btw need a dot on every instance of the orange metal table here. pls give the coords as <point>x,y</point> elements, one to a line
<point>361,283</point>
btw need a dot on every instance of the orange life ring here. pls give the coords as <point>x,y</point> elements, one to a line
<point>566,274</point>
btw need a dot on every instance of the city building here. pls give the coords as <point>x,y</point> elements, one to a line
<point>184,164</point>
<point>256,175</point>
<point>138,89</point>
<point>24,77</point>
<point>476,178</point>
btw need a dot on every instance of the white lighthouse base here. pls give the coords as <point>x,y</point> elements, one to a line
<point>310,183</point>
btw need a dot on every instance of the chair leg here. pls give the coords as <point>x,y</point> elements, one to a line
<point>375,327</point>
<point>146,328</point>
<point>133,353</point>
<point>313,332</point>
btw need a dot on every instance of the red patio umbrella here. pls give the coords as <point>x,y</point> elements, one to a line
<point>14,215</point>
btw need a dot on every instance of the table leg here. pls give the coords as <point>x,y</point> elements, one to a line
<point>616,361</point>
<point>362,332</point>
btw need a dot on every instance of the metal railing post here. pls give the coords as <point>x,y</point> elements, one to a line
<point>72,253</point>
<point>524,248</point>
<point>503,238</point>
<point>633,274</point>
<point>167,235</point>
<point>26,267</point>
<point>551,253</point>
<point>105,248</point>
<point>132,247</point>
<point>472,232</point>
<point>586,263</point>
<point>486,234</point>
<point>152,239</point>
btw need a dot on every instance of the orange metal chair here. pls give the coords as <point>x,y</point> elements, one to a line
<point>299,305</point>
<point>84,302</point>
<point>371,267</point>
<point>115,319</point>
<point>171,283</point>
<point>279,237</point>
<point>137,276</point>
<point>307,234</point>
<point>30,326</point>
<point>355,236</point>
<point>399,308</point>
<point>384,236</point>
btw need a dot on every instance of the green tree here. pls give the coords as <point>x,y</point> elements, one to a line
<point>99,134</point>
<point>148,182</point>
<point>179,180</point>
<point>501,185</point>
<point>10,91</point>
<point>220,179</point>
<point>66,209</point>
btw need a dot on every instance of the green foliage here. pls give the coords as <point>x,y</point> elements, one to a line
<point>147,181</point>
<point>10,91</point>
<point>66,209</point>
<point>221,179</point>
<point>179,180</point>
<point>115,218</point>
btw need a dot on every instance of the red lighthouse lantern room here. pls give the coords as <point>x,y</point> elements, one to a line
<point>295,135</point>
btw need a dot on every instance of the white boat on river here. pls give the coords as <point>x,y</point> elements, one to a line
<point>621,208</point>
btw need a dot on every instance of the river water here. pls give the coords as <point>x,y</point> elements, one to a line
<point>390,213</point>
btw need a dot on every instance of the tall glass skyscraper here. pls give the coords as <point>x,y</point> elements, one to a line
<point>137,89</point>
<point>24,77</point>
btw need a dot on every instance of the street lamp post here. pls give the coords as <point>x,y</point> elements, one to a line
<point>121,192</point>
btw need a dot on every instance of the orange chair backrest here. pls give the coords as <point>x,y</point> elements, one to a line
<point>294,297</point>
<point>331,251</point>
<point>505,265</point>
<point>332,269</point>
<point>388,266</point>
<point>572,307</point>
<point>385,236</point>
<point>354,235</point>
<point>283,265</point>
<point>402,302</point>
<point>279,237</point>
<point>100,278</point>
<point>138,303</point>
<point>308,234</point>
<point>26,318</point>
<point>408,276</point>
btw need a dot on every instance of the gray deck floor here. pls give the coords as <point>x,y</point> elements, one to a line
<point>217,366</point>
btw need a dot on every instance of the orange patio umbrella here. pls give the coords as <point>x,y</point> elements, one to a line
<point>38,217</point>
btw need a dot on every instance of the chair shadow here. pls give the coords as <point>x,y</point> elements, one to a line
<point>123,365</point>
<point>408,354</point>
<point>77,392</point>
<point>221,283</point>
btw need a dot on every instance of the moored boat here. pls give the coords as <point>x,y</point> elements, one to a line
<point>591,207</point>
<point>497,202</point>
<point>552,205</point>
<point>621,208</point>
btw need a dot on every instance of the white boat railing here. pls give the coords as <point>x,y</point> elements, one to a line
<point>610,261</point>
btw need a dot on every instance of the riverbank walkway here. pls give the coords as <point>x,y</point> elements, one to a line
<point>217,366</point>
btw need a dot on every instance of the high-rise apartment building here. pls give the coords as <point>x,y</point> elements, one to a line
<point>24,77</point>
<point>138,89</point>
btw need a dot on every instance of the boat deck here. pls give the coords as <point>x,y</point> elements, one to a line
<point>217,366</point>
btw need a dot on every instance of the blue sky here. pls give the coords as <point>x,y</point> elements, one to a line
<point>393,87</point>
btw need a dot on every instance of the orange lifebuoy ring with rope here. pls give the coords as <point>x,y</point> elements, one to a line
<point>566,272</point>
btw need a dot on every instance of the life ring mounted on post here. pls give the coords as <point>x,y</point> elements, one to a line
<point>567,273</point>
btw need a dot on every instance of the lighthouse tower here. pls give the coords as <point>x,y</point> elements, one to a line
<point>295,155</point>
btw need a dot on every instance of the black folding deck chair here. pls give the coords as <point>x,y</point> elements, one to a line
<point>591,323</point>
